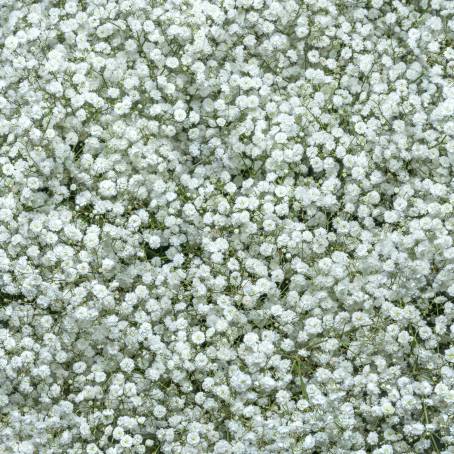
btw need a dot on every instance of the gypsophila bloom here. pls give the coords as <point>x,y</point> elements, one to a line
<point>227,227</point>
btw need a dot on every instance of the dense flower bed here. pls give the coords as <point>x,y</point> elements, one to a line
<point>226,226</point>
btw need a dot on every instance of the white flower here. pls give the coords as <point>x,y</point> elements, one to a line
<point>240,381</point>
<point>449,355</point>
<point>180,115</point>
<point>198,338</point>
<point>387,409</point>
<point>309,442</point>
<point>365,62</point>
<point>79,367</point>
<point>126,441</point>
<point>154,241</point>
<point>451,290</point>
<point>92,449</point>
<point>11,42</point>
<point>127,364</point>
<point>107,188</point>
<point>159,411</point>
<point>193,438</point>
<point>313,326</point>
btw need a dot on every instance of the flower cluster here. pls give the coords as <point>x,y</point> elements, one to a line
<point>226,226</point>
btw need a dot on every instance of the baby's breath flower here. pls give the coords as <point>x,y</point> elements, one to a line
<point>226,226</point>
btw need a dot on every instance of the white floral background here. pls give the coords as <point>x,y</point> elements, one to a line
<point>226,226</point>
